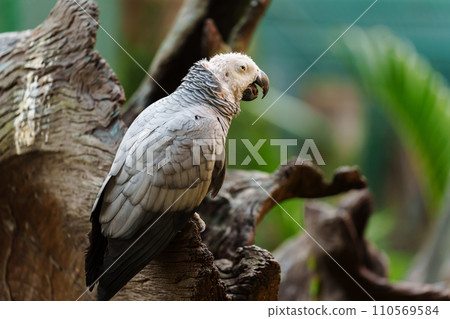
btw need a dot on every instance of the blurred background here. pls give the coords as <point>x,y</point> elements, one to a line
<point>379,99</point>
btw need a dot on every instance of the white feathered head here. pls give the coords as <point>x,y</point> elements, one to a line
<point>238,76</point>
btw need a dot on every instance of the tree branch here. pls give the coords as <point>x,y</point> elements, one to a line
<point>241,204</point>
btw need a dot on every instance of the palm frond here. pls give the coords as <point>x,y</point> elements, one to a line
<point>413,94</point>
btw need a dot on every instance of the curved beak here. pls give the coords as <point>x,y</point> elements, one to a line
<point>263,81</point>
<point>251,93</point>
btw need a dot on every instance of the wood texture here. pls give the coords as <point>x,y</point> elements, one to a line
<point>252,274</point>
<point>184,271</point>
<point>59,128</point>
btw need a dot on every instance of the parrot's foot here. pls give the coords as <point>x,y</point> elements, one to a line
<point>200,222</point>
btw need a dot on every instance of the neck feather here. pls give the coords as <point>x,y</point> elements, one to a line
<point>204,86</point>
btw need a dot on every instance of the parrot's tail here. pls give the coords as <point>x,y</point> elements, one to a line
<point>97,246</point>
<point>125,258</point>
<point>94,257</point>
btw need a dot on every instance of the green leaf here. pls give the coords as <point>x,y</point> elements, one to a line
<point>414,96</point>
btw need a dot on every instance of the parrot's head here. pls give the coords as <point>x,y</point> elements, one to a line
<point>238,76</point>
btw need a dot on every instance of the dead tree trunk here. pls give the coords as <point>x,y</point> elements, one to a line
<point>59,123</point>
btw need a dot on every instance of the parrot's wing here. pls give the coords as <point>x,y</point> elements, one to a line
<point>160,190</point>
<point>218,174</point>
<point>97,242</point>
<point>169,169</point>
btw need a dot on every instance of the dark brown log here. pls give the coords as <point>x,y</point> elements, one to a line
<point>253,274</point>
<point>212,42</point>
<point>184,271</point>
<point>333,261</point>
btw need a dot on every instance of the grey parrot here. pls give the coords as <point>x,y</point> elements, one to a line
<point>170,158</point>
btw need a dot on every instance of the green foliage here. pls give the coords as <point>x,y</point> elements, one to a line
<point>379,230</point>
<point>9,15</point>
<point>399,263</point>
<point>277,226</point>
<point>314,284</point>
<point>412,93</point>
<point>380,227</point>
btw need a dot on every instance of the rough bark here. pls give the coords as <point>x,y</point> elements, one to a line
<point>313,272</point>
<point>201,29</point>
<point>252,274</point>
<point>59,128</point>
<point>184,271</point>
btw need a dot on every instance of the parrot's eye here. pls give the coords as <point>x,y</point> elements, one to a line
<point>243,68</point>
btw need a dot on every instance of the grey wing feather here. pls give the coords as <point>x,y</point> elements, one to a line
<point>170,180</point>
<point>218,177</point>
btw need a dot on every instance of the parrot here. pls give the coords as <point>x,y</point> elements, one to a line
<point>170,158</point>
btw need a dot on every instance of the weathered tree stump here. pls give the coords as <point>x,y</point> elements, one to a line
<point>184,271</point>
<point>59,130</point>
